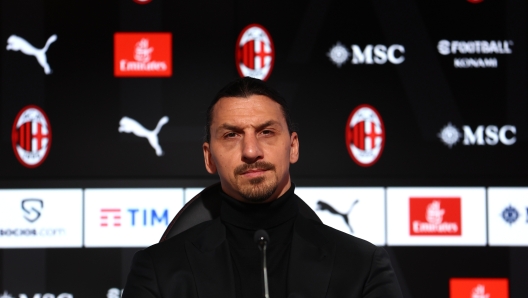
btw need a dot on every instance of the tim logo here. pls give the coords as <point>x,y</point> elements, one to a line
<point>142,54</point>
<point>255,54</point>
<point>478,288</point>
<point>111,217</point>
<point>32,209</point>
<point>17,43</point>
<point>31,136</point>
<point>435,217</point>
<point>327,207</point>
<point>365,135</point>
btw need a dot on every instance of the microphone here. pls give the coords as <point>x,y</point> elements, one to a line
<point>262,240</point>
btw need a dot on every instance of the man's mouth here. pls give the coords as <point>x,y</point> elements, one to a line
<point>254,173</point>
<point>254,170</point>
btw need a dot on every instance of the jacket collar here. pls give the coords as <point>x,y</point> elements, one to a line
<point>311,261</point>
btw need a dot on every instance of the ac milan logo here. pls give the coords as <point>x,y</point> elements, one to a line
<point>365,135</point>
<point>255,54</point>
<point>31,136</point>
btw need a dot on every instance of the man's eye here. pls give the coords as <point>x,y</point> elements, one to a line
<point>267,132</point>
<point>230,135</point>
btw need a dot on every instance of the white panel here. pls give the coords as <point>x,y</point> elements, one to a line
<point>472,208</point>
<point>508,216</point>
<point>129,217</point>
<point>191,192</point>
<point>40,218</point>
<point>363,207</point>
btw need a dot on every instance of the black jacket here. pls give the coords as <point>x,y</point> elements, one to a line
<point>324,262</point>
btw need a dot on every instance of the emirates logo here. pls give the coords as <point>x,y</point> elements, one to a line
<point>441,217</point>
<point>142,54</point>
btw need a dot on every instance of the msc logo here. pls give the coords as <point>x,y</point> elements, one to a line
<point>32,209</point>
<point>481,135</point>
<point>370,54</point>
<point>137,217</point>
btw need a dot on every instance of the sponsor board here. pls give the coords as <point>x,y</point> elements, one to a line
<point>17,43</point>
<point>128,217</point>
<point>254,53</point>
<point>191,192</point>
<point>144,54</point>
<point>31,136</point>
<point>478,288</point>
<point>436,216</point>
<point>41,218</point>
<point>475,53</point>
<point>359,211</point>
<point>508,216</point>
<point>370,54</point>
<point>481,135</point>
<point>365,135</point>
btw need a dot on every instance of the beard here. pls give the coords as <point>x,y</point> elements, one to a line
<point>259,189</point>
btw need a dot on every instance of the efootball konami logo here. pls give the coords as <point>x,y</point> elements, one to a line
<point>365,135</point>
<point>255,53</point>
<point>31,136</point>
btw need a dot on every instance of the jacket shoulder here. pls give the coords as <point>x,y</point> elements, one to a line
<point>176,243</point>
<point>343,240</point>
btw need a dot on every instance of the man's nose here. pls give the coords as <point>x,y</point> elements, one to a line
<point>251,150</point>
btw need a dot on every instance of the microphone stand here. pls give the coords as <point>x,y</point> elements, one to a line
<point>262,240</point>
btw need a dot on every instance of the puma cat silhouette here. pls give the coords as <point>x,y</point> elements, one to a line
<point>17,43</point>
<point>326,207</point>
<point>130,125</point>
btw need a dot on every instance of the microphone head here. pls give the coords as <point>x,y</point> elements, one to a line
<point>261,237</point>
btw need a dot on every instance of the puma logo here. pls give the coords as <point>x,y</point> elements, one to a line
<point>17,43</point>
<point>130,125</point>
<point>326,207</point>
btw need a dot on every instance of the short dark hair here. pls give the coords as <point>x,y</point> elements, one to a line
<point>244,88</point>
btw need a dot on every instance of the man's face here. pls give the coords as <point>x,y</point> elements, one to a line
<point>251,148</point>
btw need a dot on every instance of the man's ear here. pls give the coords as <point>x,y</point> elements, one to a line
<point>208,158</point>
<point>294,147</point>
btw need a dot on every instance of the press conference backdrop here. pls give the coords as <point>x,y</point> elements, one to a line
<point>412,120</point>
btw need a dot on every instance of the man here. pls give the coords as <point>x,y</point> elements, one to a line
<point>250,143</point>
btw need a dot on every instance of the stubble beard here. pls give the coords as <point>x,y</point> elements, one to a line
<point>259,189</point>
